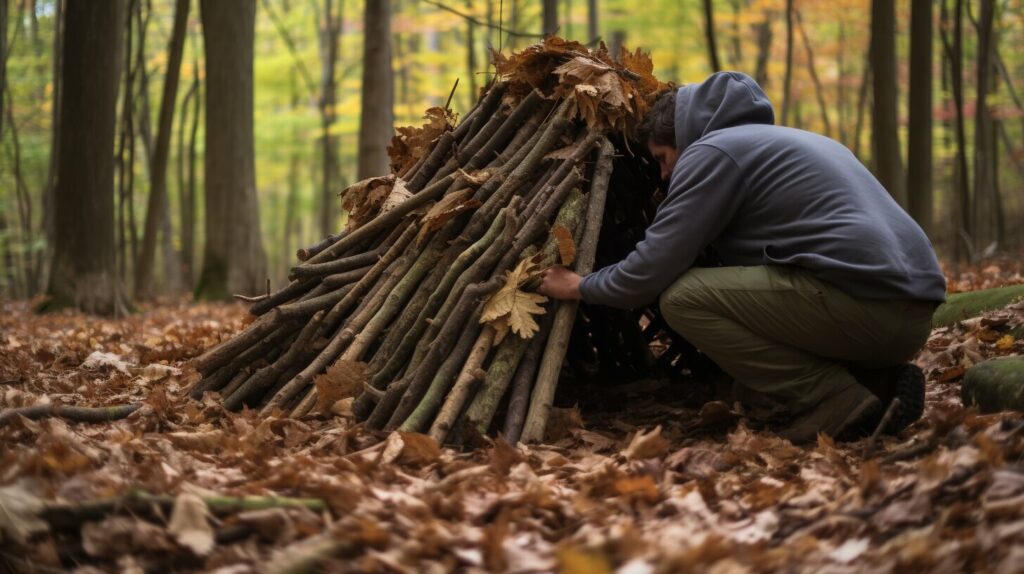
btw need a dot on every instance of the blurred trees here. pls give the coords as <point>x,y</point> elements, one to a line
<point>83,270</point>
<point>944,100</point>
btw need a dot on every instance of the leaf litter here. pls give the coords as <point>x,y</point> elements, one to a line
<point>646,485</point>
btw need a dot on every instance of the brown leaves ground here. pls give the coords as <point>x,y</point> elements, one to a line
<point>646,487</point>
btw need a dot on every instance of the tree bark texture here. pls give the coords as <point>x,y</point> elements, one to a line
<point>550,17</point>
<point>376,117</point>
<point>234,260</point>
<point>83,270</point>
<point>885,118</point>
<point>919,153</point>
<point>157,207</point>
<point>709,35</point>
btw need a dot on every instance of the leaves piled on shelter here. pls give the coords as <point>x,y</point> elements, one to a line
<point>426,300</point>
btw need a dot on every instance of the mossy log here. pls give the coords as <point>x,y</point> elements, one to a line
<point>995,385</point>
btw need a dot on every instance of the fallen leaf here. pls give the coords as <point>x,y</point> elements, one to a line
<point>646,445</point>
<point>342,380</point>
<point>189,524</point>
<point>19,510</point>
<point>573,561</point>
<point>566,245</point>
<point>517,305</point>
<point>98,360</point>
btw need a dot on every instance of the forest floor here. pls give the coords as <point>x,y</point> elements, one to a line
<point>652,487</point>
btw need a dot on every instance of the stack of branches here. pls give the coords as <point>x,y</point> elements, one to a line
<point>423,308</point>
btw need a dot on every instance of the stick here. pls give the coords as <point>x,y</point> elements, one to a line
<point>869,448</point>
<point>551,363</point>
<point>458,394</point>
<point>71,413</point>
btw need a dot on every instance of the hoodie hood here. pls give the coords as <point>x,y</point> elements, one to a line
<point>724,100</point>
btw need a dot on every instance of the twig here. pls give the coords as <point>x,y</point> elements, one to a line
<point>873,441</point>
<point>72,413</point>
<point>253,299</point>
<point>478,22</point>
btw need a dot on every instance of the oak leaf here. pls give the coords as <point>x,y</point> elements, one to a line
<point>189,524</point>
<point>447,208</point>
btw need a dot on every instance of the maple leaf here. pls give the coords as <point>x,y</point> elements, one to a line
<point>515,305</point>
<point>566,245</point>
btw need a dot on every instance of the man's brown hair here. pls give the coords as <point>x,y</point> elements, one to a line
<point>658,126</point>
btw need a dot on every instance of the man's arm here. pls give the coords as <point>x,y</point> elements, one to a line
<point>704,194</point>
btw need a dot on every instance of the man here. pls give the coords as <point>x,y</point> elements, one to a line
<point>829,286</point>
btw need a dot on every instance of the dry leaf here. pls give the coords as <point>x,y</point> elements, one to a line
<point>646,445</point>
<point>399,193</point>
<point>566,245</point>
<point>573,561</point>
<point>18,513</point>
<point>363,199</point>
<point>513,303</point>
<point>443,211</point>
<point>342,380</point>
<point>409,144</point>
<point>189,524</point>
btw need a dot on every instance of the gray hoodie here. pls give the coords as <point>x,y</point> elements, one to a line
<point>762,194</point>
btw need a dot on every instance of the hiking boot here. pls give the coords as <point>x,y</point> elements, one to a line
<point>905,382</point>
<point>846,415</point>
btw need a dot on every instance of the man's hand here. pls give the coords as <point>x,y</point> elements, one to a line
<point>560,283</point>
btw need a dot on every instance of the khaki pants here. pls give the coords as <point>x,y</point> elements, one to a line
<point>782,333</point>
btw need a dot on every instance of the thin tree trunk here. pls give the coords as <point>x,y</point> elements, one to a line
<point>188,220</point>
<point>84,273</point>
<point>737,34</point>
<point>787,82</point>
<point>953,47</point>
<point>550,17</point>
<point>593,21</point>
<point>157,210</point>
<point>862,100</point>
<point>819,91</point>
<point>841,116</point>
<point>885,120</point>
<point>709,35</point>
<point>126,144</point>
<point>3,61</point>
<point>184,198</point>
<point>49,230</point>
<point>329,32</point>
<point>234,260</point>
<point>984,156</point>
<point>764,48</point>
<point>24,200</point>
<point>919,153</point>
<point>471,55</point>
<point>376,115</point>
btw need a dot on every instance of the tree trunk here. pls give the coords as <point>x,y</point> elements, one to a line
<point>953,48</point>
<point>787,82</point>
<point>885,120</point>
<point>593,21</point>
<point>49,230</point>
<point>984,154</point>
<point>186,204</point>
<point>329,32</point>
<point>764,48</point>
<point>709,35</point>
<point>234,260</point>
<point>376,119</point>
<point>83,271</point>
<point>550,17</point>
<point>156,210</point>
<point>919,153</point>
<point>3,61</point>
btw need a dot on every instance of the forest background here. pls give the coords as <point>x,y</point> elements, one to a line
<point>926,93</point>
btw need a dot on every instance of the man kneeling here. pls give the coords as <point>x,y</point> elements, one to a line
<point>829,286</point>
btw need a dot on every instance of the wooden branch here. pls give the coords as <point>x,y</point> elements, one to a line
<point>447,286</point>
<point>551,363</point>
<point>69,412</point>
<point>869,448</point>
<point>338,265</point>
<point>460,391</point>
<point>522,383</point>
<point>294,289</point>
<point>478,22</point>
<point>227,350</point>
<point>65,516</point>
<point>403,398</point>
<point>442,382</point>
<point>499,374</point>
<point>384,220</point>
<point>268,375</point>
